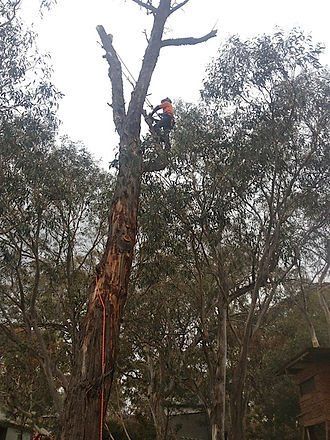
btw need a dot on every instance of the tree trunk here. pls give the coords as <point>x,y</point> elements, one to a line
<point>322,298</point>
<point>90,385</point>
<point>157,393</point>
<point>238,414</point>
<point>238,401</point>
<point>160,418</point>
<point>326,309</point>
<point>89,388</point>
<point>218,410</point>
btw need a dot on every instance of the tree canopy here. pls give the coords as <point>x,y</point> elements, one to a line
<point>230,271</point>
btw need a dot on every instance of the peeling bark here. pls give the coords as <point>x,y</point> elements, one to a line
<point>110,286</point>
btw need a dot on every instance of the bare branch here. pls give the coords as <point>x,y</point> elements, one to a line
<point>48,367</point>
<point>188,40</point>
<point>147,6</point>
<point>35,250</point>
<point>178,6</point>
<point>146,35</point>
<point>116,78</point>
<point>148,65</point>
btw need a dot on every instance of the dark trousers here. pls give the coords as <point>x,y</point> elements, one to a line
<point>166,122</point>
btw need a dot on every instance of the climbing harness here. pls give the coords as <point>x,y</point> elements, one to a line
<point>163,133</point>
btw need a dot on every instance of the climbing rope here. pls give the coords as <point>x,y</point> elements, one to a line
<point>132,81</point>
<point>129,76</point>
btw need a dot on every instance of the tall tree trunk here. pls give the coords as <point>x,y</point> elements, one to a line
<point>321,292</point>
<point>238,414</point>
<point>238,399</point>
<point>90,387</point>
<point>326,309</point>
<point>218,409</point>
<point>158,391</point>
<point>160,418</point>
<point>238,402</point>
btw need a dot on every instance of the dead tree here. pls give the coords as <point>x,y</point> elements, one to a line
<point>90,384</point>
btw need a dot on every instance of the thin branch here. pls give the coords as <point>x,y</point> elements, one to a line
<point>188,40</point>
<point>35,250</point>
<point>147,6</point>
<point>48,366</point>
<point>179,6</point>
<point>120,415</point>
<point>146,35</point>
<point>10,15</point>
<point>110,435</point>
<point>240,291</point>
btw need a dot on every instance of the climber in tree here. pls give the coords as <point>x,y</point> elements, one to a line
<point>166,121</point>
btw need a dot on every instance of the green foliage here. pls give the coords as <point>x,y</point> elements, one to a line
<point>23,388</point>
<point>52,229</point>
<point>243,200</point>
<point>247,184</point>
<point>25,88</point>
<point>244,69</point>
<point>53,221</point>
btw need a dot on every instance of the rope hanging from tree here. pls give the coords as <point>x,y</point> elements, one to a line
<point>129,76</point>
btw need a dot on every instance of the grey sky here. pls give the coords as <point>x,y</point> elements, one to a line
<point>68,33</point>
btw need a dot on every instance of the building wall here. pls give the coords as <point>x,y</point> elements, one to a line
<point>315,406</point>
<point>192,426</point>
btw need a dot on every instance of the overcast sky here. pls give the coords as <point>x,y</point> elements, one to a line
<point>68,33</point>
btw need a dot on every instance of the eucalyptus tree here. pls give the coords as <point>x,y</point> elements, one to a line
<point>235,205</point>
<point>51,222</point>
<point>90,385</point>
<point>91,379</point>
<point>25,87</point>
<point>272,92</point>
<point>52,227</point>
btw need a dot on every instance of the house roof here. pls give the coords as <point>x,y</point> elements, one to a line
<point>305,358</point>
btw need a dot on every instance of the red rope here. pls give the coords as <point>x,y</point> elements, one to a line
<point>102,366</point>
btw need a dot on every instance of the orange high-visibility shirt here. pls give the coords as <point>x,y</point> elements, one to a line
<point>167,108</point>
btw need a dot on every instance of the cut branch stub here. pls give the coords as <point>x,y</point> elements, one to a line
<point>116,78</point>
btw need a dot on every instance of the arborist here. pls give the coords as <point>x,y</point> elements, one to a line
<point>166,121</point>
